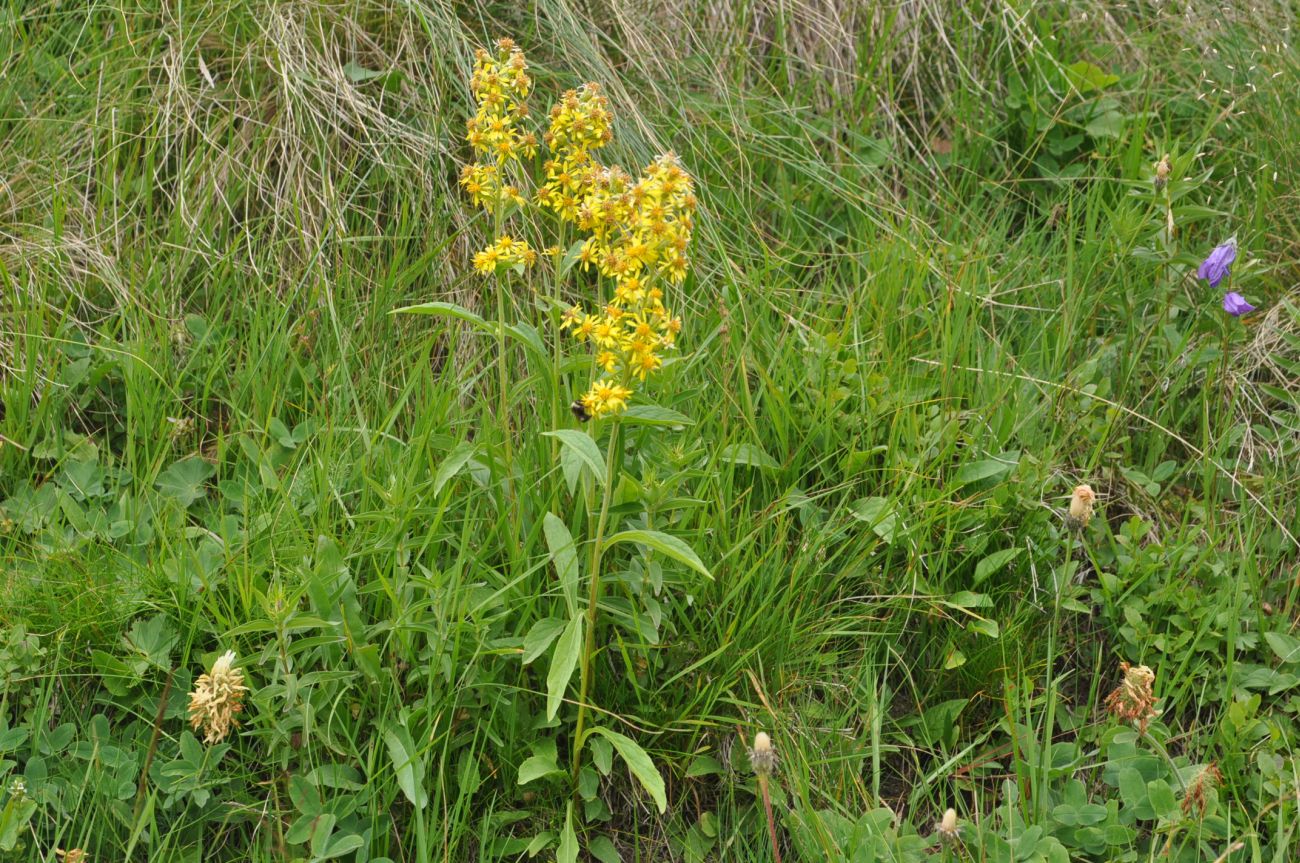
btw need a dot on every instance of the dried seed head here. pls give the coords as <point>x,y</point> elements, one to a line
<point>217,698</point>
<point>1195,798</point>
<point>1162,172</point>
<point>1081,502</point>
<point>1133,700</point>
<point>947,828</point>
<point>762,758</point>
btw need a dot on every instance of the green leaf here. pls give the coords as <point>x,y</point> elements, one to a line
<point>183,482</point>
<point>343,843</point>
<point>1107,124</point>
<point>320,833</point>
<point>1162,800</point>
<point>540,636</point>
<point>564,554</point>
<point>527,335</point>
<point>567,852</point>
<point>665,544</point>
<point>749,454</point>
<point>880,515</point>
<point>640,763</point>
<point>154,639</point>
<point>1287,647</point>
<point>358,74</point>
<point>540,842</point>
<point>460,454</point>
<point>446,310</point>
<point>602,755</point>
<point>993,563</point>
<point>653,415</point>
<point>602,848</point>
<point>119,678</point>
<point>1087,77</point>
<point>571,256</point>
<point>704,765</point>
<point>543,762</point>
<point>13,819</point>
<point>581,444</point>
<point>407,764</point>
<point>563,661</point>
<point>982,470</point>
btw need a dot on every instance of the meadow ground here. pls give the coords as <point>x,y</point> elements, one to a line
<point>944,270</point>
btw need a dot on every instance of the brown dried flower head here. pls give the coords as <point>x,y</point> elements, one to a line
<point>1081,502</point>
<point>1133,700</point>
<point>1195,798</point>
<point>217,698</point>
<point>762,758</point>
<point>1162,172</point>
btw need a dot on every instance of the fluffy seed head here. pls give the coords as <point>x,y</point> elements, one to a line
<point>947,827</point>
<point>1081,502</point>
<point>762,758</point>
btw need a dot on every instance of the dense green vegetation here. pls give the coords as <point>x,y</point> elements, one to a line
<point>936,283</point>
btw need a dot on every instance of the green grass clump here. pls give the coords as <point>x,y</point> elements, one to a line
<point>935,286</point>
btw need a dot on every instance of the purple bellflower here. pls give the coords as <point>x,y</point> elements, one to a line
<point>1214,268</point>
<point>1235,304</point>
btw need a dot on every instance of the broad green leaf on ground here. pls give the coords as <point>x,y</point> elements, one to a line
<point>184,481</point>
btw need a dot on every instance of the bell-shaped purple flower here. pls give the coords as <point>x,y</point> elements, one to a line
<point>1215,267</point>
<point>1235,304</point>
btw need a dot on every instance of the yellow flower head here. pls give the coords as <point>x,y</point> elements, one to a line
<point>607,360</point>
<point>505,253</point>
<point>605,397</point>
<point>645,362</point>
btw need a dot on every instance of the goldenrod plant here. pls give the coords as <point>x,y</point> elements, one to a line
<point>912,383</point>
<point>633,235</point>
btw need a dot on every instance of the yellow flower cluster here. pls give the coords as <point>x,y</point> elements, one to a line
<point>505,253</point>
<point>580,123</point>
<point>500,85</point>
<point>640,232</point>
<point>639,229</point>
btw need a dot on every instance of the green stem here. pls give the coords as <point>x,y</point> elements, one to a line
<point>1045,755</point>
<point>557,384</point>
<point>503,378</point>
<point>593,599</point>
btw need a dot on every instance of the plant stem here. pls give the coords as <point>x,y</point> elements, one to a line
<point>593,599</point>
<point>503,379</point>
<point>153,745</point>
<point>771,824</point>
